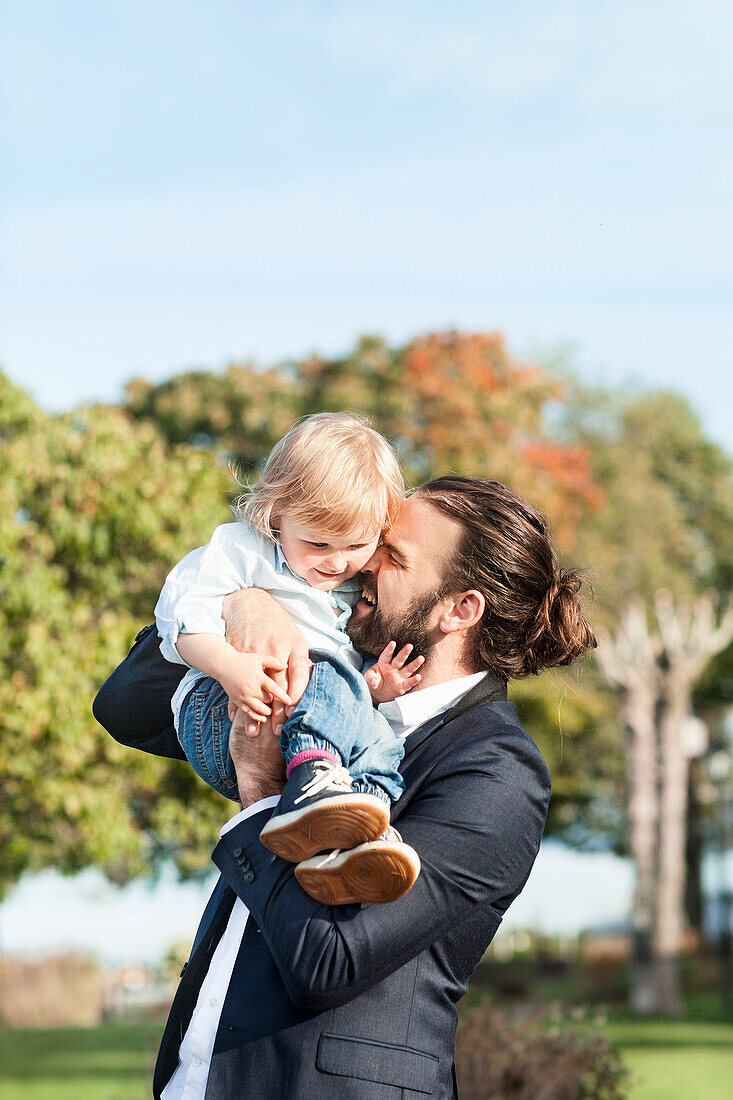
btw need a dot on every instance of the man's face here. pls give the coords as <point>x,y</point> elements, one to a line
<point>405,579</point>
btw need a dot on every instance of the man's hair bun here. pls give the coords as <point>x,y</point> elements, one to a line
<point>559,632</point>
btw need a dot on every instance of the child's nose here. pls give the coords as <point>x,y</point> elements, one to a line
<point>337,563</point>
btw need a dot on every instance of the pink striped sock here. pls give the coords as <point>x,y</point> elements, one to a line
<point>310,754</point>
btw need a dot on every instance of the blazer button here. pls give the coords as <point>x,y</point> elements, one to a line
<point>185,968</point>
<point>249,876</point>
<point>237,853</point>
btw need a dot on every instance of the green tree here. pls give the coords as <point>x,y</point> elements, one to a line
<point>449,401</point>
<point>668,498</point>
<point>241,412</point>
<point>94,509</point>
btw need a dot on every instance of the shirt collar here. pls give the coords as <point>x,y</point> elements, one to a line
<point>280,562</point>
<point>409,711</point>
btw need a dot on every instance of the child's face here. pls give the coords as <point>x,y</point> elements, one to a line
<point>321,560</point>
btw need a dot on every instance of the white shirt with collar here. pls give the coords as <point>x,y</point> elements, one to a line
<point>190,1078</point>
<point>236,557</point>
<point>412,710</point>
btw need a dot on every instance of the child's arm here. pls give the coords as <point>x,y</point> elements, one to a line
<point>392,676</point>
<point>242,675</point>
<point>192,596</point>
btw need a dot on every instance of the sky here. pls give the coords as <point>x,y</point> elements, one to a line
<point>189,184</point>
<point>185,185</point>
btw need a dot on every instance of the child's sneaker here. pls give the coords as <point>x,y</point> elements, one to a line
<point>319,810</point>
<point>377,872</point>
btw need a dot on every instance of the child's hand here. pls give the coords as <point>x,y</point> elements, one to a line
<point>246,682</point>
<point>391,676</point>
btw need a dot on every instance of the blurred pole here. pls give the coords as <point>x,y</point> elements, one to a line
<point>726,952</point>
<point>719,765</point>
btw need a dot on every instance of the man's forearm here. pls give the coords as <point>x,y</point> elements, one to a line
<point>258,762</point>
<point>256,623</point>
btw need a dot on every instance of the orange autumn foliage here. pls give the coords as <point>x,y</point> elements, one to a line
<point>472,409</point>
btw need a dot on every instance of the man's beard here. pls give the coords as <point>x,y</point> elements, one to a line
<point>371,633</point>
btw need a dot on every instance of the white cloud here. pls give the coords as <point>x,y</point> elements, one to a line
<point>623,57</point>
<point>417,47</point>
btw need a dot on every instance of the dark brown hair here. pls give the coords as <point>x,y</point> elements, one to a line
<point>533,618</point>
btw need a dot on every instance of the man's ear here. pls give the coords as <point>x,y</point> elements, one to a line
<point>462,610</point>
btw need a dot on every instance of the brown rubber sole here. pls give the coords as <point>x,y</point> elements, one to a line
<point>338,822</point>
<point>373,873</point>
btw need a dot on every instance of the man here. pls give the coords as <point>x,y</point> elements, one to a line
<point>284,997</point>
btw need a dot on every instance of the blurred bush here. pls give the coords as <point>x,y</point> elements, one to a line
<point>530,1055</point>
<point>61,991</point>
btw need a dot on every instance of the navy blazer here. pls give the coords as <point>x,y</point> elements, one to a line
<point>357,1001</point>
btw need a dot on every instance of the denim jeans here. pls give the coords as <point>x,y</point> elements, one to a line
<point>335,714</point>
<point>203,731</point>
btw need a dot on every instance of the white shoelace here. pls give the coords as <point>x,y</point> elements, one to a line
<point>328,775</point>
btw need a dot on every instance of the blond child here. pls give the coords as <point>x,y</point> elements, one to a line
<point>312,521</point>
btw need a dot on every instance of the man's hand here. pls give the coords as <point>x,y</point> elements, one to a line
<point>257,760</point>
<point>393,675</point>
<point>256,623</point>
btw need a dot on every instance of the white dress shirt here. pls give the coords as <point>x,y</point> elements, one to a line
<point>190,1078</point>
<point>237,557</point>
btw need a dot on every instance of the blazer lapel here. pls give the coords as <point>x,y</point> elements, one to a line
<point>210,931</point>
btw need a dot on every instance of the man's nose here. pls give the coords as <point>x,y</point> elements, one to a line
<point>372,566</point>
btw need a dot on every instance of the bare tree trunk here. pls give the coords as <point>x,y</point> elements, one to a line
<point>670,908</point>
<point>630,660</point>
<point>642,750</point>
<point>657,671</point>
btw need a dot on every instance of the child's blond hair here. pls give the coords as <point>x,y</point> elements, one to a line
<point>331,472</point>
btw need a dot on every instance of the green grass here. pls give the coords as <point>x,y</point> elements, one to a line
<point>111,1062</point>
<point>668,1060</point>
<point>676,1061</point>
